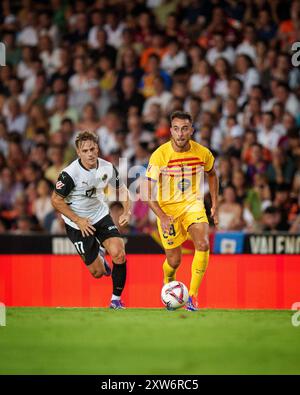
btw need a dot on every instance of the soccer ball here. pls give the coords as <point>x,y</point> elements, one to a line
<point>174,295</point>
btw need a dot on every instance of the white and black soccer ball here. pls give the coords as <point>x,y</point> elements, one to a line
<point>174,295</point>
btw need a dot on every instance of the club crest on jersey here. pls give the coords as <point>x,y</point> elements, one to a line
<point>104,177</point>
<point>59,185</point>
<point>184,184</point>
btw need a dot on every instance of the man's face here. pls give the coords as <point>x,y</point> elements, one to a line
<point>88,153</point>
<point>181,131</point>
<point>271,220</point>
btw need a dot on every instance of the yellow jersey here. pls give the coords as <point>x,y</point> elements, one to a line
<point>180,177</point>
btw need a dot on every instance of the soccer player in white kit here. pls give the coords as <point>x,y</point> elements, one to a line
<point>79,197</point>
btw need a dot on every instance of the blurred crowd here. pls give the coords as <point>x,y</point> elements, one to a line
<point>119,68</point>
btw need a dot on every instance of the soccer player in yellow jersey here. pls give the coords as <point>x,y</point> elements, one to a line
<point>173,187</point>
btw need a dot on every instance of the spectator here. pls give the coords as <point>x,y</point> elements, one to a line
<point>56,156</point>
<point>201,77</point>
<point>173,58</point>
<point>16,121</point>
<point>224,173</point>
<point>221,84</point>
<point>42,205</point>
<point>129,96</point>
<point>247,46</point>
<point>239,183</point>
<point>61,111</point>
<point>271,220</point>
<point>281,169</point>
<point>89,120</point>
<point>103,48</point>
<point>107,133</point>
<point>257,163</point>
<point>266,28</point>
<point>268,135</point>
<point>114,28</point>
<point>97,20</point>
<point>246,72</point>
<point>147,81</point>
<point>220,50</point>
<point>259,196</point>
<point>230,212</point>
<point>128,67</point>
<point>9,189</point>
<point>28,36</point>
<point>228,63</point>
<point>161,96</point>
<point>157,48</point>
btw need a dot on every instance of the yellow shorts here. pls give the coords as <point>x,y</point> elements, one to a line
<point>178,230</point>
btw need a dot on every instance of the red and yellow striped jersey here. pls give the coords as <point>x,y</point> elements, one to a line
<point>180,176</point>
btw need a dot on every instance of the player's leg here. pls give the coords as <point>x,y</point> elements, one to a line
<point>116,249</point>
<point>199,235</point>
<point>103,259</point>
<point>171,264</point>
<point>96,268</point>
<point>171,242</point>
<point>88,248</point>
<point>108,235</point>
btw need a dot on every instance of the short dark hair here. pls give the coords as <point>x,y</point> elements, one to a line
<point>85,136</point>
<point>271,210</point>
<point>181,115</point>
<point>270,113</point>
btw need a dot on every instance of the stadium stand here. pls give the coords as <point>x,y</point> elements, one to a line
<point>119,68</point>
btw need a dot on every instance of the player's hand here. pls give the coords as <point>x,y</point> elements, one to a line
<point>85,226</point>
<point>166,222</point>
<point>124,219</point>
<point>214,215</point>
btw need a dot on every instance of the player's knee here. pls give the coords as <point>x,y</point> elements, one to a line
<point>97,273</point>
<point>118,256</point>
<point>202,245</point>
<point>174,261</point>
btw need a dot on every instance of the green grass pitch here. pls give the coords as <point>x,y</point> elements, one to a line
<point>148,341</point>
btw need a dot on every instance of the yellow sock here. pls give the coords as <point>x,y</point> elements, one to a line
<point>199,266</point>
<point>169,272</point>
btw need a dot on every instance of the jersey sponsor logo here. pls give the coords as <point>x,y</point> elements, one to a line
<point>84,182</point>
<point>59,185</point>
<point>184,184</point>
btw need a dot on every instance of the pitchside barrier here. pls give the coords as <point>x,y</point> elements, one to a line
<point>245,271</point>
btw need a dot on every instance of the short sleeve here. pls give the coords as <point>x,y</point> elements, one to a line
<point>64,184</point>
<point>209,161</point>
<point>154,167</point>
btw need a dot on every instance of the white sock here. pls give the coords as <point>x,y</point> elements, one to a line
<point>114,297</point>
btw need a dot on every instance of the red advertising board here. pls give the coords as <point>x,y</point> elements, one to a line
<point>231,281</point>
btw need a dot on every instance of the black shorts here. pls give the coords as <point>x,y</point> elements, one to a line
<point>88,246</point>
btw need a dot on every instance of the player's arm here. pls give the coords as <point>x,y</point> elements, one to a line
<point>149,193</point>
<point>213,182</point>
<point>122,195</point>
<point>63,187</point>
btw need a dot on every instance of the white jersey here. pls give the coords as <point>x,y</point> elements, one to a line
<point>83,189</point>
